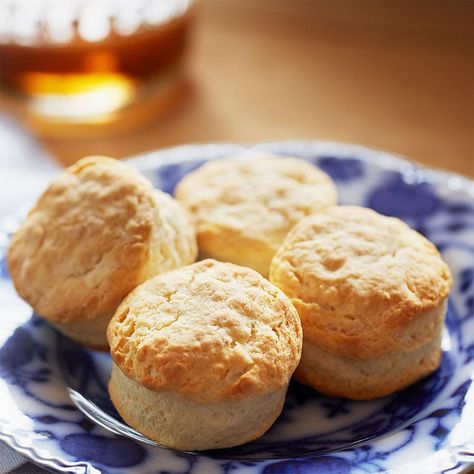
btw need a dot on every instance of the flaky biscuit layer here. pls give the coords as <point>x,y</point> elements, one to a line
<point>244,207</point>
<point>210,332</point>
<point>98,231</point>
<point>363,283</point>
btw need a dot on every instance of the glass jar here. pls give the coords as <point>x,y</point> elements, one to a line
<point>65,64</point>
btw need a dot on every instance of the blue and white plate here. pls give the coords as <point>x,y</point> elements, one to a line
<point>54,406</point>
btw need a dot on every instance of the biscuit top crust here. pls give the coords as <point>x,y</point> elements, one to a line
<point>210,332</point>
<point>351,271</point>
<point>257,197</point>
<point>86,243</point>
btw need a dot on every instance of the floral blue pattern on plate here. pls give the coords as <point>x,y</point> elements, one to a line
<point>54,404</point>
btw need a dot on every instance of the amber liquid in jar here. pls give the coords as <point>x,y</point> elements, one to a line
<point>95,65</point>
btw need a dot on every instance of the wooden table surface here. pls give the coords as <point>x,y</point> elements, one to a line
<point>392,75</point>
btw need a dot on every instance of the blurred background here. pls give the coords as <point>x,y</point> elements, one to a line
<point>396,75</point>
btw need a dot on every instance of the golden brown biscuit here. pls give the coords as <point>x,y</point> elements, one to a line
<point>98,231</point>
<point>244,207</point>
<point>371,294</point>
<point>203,356</point>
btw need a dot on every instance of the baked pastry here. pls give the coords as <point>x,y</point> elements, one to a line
<point>371,294</point>
<point>203,356</point>
<point>98,231</point>
<point>244,207</point>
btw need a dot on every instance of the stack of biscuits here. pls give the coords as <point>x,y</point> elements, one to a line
<point>288,283</point>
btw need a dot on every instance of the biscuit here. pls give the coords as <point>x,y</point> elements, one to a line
<point>244,207</point>
<point>98,231</point>
<point>371,294</point>
<point>203,356</point>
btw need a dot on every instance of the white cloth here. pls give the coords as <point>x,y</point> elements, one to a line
<point>9,460</point>
<point>25,169</point>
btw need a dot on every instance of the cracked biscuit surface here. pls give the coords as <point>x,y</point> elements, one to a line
<point>98,231</point>
<point>244,207</point>
<point>203,356</point>
<point>371,295</point>
<point>209,331</point>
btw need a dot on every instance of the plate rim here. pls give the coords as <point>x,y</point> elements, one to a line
<point>386,159</point>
